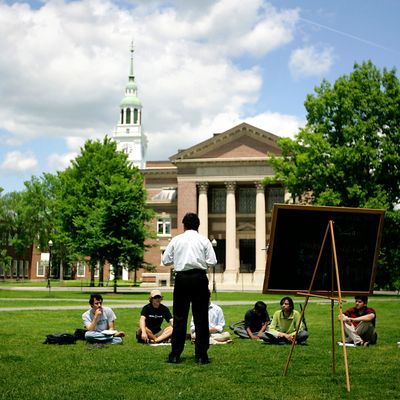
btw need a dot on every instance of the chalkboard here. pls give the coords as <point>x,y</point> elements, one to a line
<point>297,234</point>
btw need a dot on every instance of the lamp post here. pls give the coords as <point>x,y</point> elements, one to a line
<point>50,244</point>
<point>214,288</point>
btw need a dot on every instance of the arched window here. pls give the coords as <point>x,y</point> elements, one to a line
<point>122,117</point>
<point>128,115</point>
<point>135,115</point>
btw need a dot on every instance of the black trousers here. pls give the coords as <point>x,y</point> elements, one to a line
<point>191,287</point>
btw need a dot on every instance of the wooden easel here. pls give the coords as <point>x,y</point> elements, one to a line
<point>335,274</point>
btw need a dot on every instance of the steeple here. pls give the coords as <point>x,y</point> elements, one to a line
<point>128,132</point>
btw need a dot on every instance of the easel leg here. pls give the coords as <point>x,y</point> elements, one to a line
<point>346,366</point>
<point>333,336</point>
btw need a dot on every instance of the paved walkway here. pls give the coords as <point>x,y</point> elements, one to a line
<point>140,303</point>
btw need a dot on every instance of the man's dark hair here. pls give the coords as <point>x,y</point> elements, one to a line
<point>191,221</point>
<point>364,299</point>
<point>95,296</point>
<point>289,299</point>
<point>260,307</point>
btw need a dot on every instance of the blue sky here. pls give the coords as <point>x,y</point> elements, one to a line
<point>201,67</point>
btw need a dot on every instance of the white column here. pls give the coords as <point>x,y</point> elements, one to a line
<point>203,208</point>
<point>230,256</point>
<point>260,228</point>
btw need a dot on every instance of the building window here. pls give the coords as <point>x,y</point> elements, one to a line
<point>80,269</point>
<point>247,251</point>
<point>164,226</point>
<point>274,195</point>
<point>122,116</point>
<point>41,268</point>
<point>217,203</point>
<point>26,269</point>
<point>128,115</point>
<point>97,270</point>
<point>247,200</point>
<point>135,116</point>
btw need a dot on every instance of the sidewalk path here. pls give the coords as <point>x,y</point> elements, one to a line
<point>141,303</point>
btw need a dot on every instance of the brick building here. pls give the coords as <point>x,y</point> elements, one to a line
<point>221,180</point>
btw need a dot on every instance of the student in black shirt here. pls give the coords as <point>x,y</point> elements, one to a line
<point>151,319</point>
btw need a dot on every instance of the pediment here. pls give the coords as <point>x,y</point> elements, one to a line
<point>242,141</point>
<point>246,227</point>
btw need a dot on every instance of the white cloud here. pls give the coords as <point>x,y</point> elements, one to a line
<point>187,136</point>
<point>64,67</point>
<point>278,124</point>
<point>65,64</point>
<point>58,162</point>
<point>309,61</point>
<point>19,162</point>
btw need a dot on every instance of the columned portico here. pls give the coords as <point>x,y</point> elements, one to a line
<point>221,180</point>
<point>203,208</point>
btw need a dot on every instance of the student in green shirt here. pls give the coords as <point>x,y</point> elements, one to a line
<point>284,323</point>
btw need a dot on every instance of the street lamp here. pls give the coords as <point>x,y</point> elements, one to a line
<point>214,289</point>
<point>50,244</point>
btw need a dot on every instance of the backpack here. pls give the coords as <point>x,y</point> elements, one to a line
<point>60,338</point>
<point>80,334</point>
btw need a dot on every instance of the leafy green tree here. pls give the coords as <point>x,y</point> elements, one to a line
<point>15,223</point>
<point>348,154</point>
<point>103,207</point>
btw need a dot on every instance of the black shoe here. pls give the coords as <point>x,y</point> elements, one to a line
<point>202,360</point>
<point>173,359</point>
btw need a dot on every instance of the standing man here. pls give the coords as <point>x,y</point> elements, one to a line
<point>191,254</point>
<point>99,322</point>
<point>359,323</point>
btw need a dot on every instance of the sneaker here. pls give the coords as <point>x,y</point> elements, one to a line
<point>346,344</point>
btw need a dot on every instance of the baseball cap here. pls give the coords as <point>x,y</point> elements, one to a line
<point>155,293</point>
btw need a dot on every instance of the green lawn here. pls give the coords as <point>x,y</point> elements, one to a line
<point>243,370</point>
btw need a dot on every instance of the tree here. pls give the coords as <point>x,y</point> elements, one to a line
<point>348,153</point>
<point>103,207</point>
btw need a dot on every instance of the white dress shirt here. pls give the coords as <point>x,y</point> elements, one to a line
<point>216,319</point>
<point>188,251</point>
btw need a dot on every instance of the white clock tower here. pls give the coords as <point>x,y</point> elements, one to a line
<point>128,133</point>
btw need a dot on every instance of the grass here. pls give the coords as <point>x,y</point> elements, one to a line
<point>243,370</point>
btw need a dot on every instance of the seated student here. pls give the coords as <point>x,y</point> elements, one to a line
<point>284,324</point>
<point>255,322</point>
<point>359,326</point>
<point>151,318</point>
<point>216,324</point>
<point>98,320</point>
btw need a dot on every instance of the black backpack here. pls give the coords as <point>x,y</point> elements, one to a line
<point>60,338</point>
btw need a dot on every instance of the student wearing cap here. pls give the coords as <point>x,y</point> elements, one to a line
<point>191,254</point>
<point>151,318</point>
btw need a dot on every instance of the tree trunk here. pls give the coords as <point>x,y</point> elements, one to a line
<point>91,274</point>
<point>101,275</point>
<point>61,272</point>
